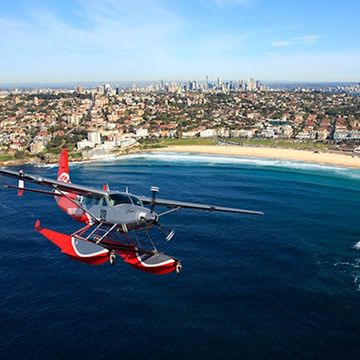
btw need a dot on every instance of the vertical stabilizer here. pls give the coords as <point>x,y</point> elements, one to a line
<point>63,171</point>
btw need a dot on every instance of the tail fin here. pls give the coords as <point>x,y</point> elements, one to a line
<point>63,171</point>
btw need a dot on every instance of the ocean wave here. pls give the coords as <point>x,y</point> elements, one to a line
<point>355,264</point>
<point>357,245</point>
<point>48,166</point>
<point>190,158</point>
<point>263,162</point>
<point>356,281</point>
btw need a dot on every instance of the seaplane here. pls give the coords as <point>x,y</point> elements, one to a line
<point>116,224</point>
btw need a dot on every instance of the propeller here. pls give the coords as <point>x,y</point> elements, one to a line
<point>169,234</point>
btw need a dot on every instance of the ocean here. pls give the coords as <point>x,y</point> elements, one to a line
<point>285,285</point>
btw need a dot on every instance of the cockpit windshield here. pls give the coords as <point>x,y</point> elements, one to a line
<point>136,201</point>
<point>117,199</point>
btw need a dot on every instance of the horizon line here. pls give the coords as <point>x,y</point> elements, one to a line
<point>74,82</point>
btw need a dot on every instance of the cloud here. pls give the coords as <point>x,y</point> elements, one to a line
<point>110,25</point>
<point>112,40</point>
<point>297,40</point>
<point>90,39</point>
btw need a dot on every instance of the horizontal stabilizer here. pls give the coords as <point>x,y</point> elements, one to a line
<point>54,184</point>
<point>38,191</point>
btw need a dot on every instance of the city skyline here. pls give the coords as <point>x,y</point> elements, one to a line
<point>147,40</point>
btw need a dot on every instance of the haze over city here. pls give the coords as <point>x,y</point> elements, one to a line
<point>76,40</point>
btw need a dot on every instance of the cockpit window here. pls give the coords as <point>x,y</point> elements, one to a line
<point>136,201</point>
<point>117,199</point>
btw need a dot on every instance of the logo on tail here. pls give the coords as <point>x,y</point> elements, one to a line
<point>63,171</point>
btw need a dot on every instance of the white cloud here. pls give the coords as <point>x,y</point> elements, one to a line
<point>297,40</point>
<point>106,38</point>
<point>145,39</point>
<point>110,25</point>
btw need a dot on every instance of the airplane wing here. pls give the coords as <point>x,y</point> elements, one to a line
<point>54,184</point>
<point>189,205</point>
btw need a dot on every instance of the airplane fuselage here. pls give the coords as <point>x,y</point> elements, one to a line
<point>123,209</point>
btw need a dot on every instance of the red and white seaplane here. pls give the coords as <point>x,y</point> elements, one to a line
<point>115,223</point>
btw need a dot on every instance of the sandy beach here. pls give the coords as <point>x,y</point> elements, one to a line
<point>325,158</point>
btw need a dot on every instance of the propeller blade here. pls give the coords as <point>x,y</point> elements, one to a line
<point>169,234</point>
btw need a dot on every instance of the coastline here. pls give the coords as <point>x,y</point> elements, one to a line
<point>322,158</point>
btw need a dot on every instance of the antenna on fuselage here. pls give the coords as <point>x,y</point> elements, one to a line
<point>126,190</point>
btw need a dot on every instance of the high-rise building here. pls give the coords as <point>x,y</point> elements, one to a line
<point>251,85</point>
<point>107,89</point>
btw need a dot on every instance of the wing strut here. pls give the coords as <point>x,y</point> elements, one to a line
<point>76,203</point>
<point>170,211</point>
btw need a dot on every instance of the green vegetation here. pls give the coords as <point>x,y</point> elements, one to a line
<point>75,156</point>
<point>20,155</point>
<point>151,145</point>
<point>274,143</point>
<point>281,143</point>
<point>53,151</point>
<point>185,141</point>
<point>6,157</point>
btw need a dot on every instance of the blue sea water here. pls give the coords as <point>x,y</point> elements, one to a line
<point>284,285</point>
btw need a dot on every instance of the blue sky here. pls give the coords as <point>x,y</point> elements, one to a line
<point>114,40</point>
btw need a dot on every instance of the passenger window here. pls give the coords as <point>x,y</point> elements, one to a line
<point>92,201</point>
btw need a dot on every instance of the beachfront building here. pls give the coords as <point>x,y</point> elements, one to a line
<point>208,133</point>
<point>84,144</point>
<point>94,137</point>
<point>142,133</point>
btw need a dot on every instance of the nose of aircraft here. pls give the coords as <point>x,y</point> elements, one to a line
<point>148,217</point>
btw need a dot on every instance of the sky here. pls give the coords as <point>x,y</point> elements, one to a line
<point>132,40</point>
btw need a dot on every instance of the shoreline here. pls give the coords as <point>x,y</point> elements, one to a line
<point>321,158</point>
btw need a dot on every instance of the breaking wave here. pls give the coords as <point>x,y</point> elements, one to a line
<point>190,158</point>
<point>262,162</point>
<point>48,166</point>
